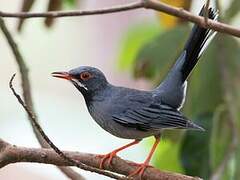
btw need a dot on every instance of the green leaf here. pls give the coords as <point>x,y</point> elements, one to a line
<point>227,52</point>
<point>230,55</point>
<point>204,88</point>
<point>69,3</point>
<point>220,141</point>
<point>206,84</point>
<point>229,47</point>
<point>155,57</point>
<point>205,94</point>
<point>237,164</point>
<point>136,36</point>
<point>237,101</point>
<point>195,153</point>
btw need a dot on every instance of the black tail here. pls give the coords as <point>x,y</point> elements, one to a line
<point>197,43</point>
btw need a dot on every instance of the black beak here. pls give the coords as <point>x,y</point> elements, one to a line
<point>63,75</point>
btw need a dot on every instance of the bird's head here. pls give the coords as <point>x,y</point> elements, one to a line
<point>88,80</point>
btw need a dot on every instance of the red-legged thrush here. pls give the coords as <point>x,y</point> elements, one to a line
<point>136,114</point>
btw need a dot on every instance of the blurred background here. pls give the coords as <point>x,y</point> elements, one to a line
<point>133,49</point>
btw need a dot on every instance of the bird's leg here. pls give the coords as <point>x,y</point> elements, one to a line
<point>143,166</point>
<point>110,155</point>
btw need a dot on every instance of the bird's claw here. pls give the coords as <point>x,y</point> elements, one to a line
<point>139,171</point>
<point>104,157</point>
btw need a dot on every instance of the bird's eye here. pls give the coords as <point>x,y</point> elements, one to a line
<point>85,76</point>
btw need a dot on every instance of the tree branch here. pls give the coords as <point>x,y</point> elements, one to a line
<point>13,154</point>
<point>147,4</point>
<point>181,13</point>
<point>27,95</point>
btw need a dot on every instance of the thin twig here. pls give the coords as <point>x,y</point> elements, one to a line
<point>147,4</point>
<point>181,13</point>
<point>58,14</point>
<point>27,95</point>
<point>14,154</point>
<point>52,145</point>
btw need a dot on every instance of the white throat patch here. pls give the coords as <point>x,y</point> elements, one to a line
<point>80,84</point>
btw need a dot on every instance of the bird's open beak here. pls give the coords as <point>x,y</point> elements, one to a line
<point>63,75</point>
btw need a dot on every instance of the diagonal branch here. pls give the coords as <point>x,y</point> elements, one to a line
<point>14,154</point>
<point>27,95</point>
<point>51,144</point>
<point>147,4</point>
<point>181,13</point>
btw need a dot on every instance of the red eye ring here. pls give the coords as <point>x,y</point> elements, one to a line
<point>85,76</point>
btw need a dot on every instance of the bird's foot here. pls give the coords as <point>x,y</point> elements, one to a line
<point>104,157</point>
<point>139,171</point>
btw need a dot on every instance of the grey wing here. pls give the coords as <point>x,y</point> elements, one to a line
<point>154,117</point>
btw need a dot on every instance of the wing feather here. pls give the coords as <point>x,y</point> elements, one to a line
<point>154,117</point>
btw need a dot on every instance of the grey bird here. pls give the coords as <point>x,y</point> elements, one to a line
<point>136,114</point>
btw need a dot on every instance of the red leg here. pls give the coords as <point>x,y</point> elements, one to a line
<point>140,170</point>
<point>110,155</point>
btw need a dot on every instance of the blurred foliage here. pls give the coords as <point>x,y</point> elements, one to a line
<point>220,140</point>
<point>52,5</point>
<point>70,3</point>
<point>205,83</point>
<point>169,21</point>
<point>196,153</point>
<point>233,10</point>
<point>147,62</point>
<point>133,40</point>
<point>237,99</point>
<point>26,6</point>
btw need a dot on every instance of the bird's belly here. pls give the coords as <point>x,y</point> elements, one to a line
<point>128,132</point>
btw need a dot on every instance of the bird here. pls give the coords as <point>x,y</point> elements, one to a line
<point>136,114</point>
